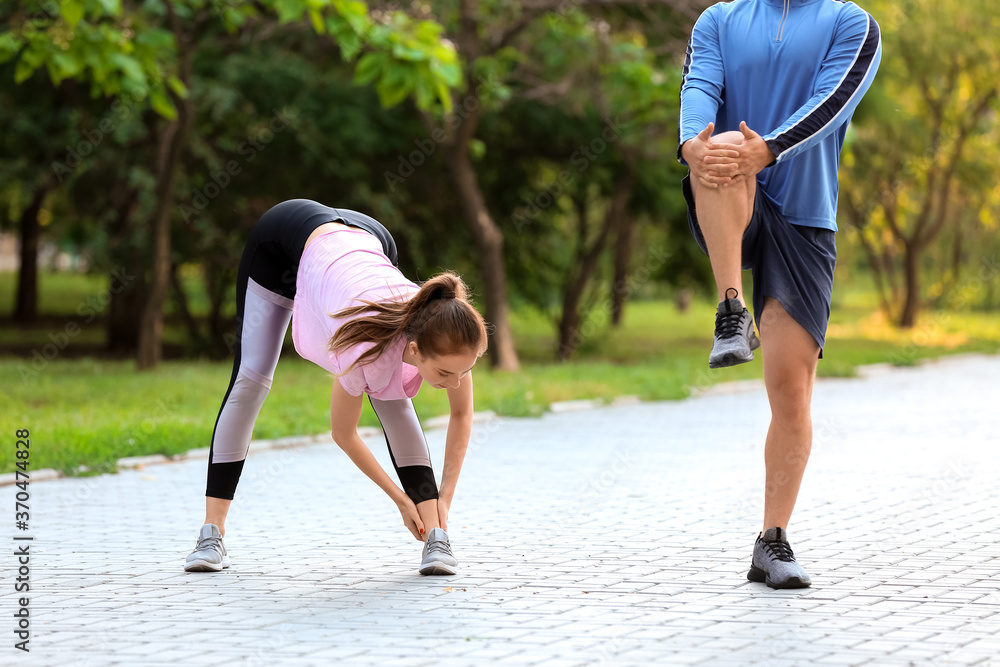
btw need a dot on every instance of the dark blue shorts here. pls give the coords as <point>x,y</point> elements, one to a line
<point>790,263</point>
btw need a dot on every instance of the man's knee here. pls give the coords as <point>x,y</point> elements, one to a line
<point>791,401</point>
<point>731,137</point>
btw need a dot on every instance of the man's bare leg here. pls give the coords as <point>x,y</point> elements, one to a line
<point>790,358</point>
<point>724,208</point>
<point>724,213</point>
<point>791,355</point>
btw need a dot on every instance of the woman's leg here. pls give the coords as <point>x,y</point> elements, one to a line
<point>262,318</point>
<point>410,456</point>
<point>216,511</point>
<point>412,461</point>
<point>262,325</point>
<point>265,290</point>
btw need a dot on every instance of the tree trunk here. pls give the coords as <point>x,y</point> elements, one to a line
<point>875,265</point>
<point>569,320</point>
<point>858,218</point>
<point>180,296</point>
<point>150,349</point>
<point>171,145</point>
<point>489,241</point>
<point>889,270</point>
<point>569,329</point>
<point>27,281</point>
<point>126,304</point>
<point>217,282</point>
<point>911,269</point>
<point>125,309</point>
<point>623,253</point>
<point>485,231</point>
<point>956,255</point>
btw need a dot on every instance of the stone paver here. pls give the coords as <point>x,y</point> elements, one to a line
<point>612,536</point>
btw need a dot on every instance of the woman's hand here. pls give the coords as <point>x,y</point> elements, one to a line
<point>345,410</point>
<point>411,517</point>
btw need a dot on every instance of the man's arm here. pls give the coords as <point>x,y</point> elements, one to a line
<point>703,80</point>
<point>845,75</point>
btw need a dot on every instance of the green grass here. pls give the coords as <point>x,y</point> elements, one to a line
<point>91,411</point>
<point>57,292</point>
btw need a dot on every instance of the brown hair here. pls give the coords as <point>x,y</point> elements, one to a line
<point>438,317</point>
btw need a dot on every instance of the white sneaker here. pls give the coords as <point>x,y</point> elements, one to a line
<point>438,558</point>
<point>209,554</point>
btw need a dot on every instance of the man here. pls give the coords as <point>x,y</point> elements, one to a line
<point>780,80</point>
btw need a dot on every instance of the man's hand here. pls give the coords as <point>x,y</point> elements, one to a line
<point>444,504</point>
<point>717,164</point>
<point>754,155</point>
<point>712,164</point>
<point>411,517</point>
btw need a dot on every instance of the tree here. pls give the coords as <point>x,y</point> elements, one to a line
<point>146,49</point>
<point>935,93</point>
<point>524,51</point>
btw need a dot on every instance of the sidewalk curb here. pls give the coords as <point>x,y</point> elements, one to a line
<point>441,421</point>
<point>140,462</point>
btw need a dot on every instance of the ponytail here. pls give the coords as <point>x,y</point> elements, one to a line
<point>438,317</point>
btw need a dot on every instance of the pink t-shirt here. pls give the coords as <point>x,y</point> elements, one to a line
<point>340,269</point>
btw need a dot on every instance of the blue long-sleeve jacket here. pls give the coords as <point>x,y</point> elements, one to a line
<point>794,70</point>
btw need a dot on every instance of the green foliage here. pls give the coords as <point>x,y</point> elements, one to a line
<point>91,40</point>
<point>133,51</point>
<point>614,113</point>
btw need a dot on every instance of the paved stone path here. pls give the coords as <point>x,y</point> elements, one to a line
<point>613,536</point>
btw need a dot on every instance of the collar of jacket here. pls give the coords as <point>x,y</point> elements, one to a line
<point>792,3</point>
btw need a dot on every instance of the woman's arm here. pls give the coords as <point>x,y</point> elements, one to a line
<point>456,444</point>
<point>345,411</point>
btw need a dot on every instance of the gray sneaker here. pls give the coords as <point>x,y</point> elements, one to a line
<point>210,554</point>
<point>735,339</point>
<point>438,558</point>
<point>774,563</point>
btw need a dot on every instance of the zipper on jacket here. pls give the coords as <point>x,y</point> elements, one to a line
<point>784,17</point>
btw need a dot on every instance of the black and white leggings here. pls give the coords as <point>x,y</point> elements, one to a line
<point>265,290</point>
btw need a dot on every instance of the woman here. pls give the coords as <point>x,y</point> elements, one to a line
<point>333,273</point>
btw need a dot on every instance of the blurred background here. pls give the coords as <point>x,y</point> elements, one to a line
<point>530,146</point>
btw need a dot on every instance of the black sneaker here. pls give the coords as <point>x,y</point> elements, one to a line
<point>774,564</point>
<point>735,339</point>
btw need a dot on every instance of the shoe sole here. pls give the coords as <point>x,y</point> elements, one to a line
<point>730,360</point>
<point>205,566</point>
<point>437,569</point>
<point>759,576</point>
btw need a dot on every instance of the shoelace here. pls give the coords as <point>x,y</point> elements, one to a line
<point>439,546</point>
<point>210,542</point>
<point>727,325</point>
<point>781,551</point>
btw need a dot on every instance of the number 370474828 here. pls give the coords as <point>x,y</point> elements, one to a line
<point>21,453</point>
